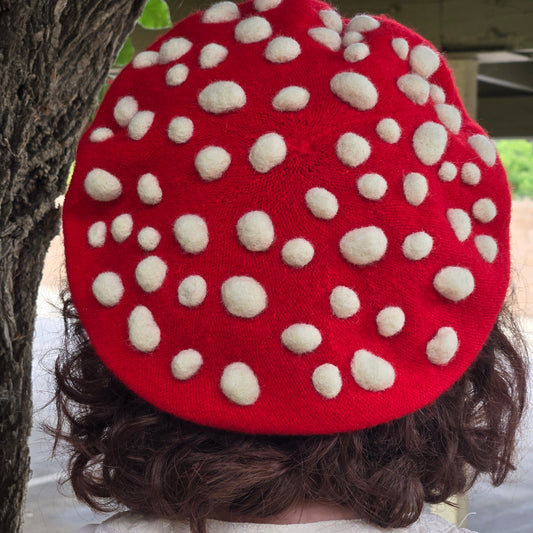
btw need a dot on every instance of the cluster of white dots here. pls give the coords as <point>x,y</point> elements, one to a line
<point>243,296</point>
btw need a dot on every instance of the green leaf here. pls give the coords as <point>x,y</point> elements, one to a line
<point>70,172</point>
<point>126,54</point>
<point>156,15</point>
<point>517,158</point>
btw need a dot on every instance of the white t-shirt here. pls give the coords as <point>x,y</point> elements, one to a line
<point>129,522</point>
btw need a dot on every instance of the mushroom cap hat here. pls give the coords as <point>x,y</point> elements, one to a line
<point>282,221</point>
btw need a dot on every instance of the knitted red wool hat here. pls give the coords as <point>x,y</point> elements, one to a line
<point>284,222</point>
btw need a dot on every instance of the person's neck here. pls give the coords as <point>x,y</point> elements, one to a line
<point>304,513</point>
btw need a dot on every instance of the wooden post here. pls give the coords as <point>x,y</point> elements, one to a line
<point>465,70</point>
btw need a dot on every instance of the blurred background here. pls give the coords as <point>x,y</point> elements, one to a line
<point>489,45</point>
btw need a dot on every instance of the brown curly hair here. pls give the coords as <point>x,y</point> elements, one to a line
<point>123,452</point>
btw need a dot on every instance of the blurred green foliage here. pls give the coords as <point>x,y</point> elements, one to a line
<point>155,16</point>
<point>126,54</point>
<point>517,158</point>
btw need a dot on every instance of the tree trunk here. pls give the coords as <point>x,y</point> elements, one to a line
<point>54,59</point>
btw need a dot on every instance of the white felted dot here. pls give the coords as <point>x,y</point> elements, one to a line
<point>443,346</point>
<point>414,87</point>
<point>186,364</point>
<point>484,148</point>
<point>239,384</point>
<point>191,232</point>
<point>297,252</point>
<point>211,162</point>
<point>487,247</point>
<point>266,5</point>
<point>326,37</point>
<point>372,186</point>
<point>301,338</point>
<point>125,110</point>
<point>100,135</point>
<point>212,55</point>
<point>354,89</point>
<point>429,142</point>
<point>352,149</point>
<point>363,23</point>
<point>424,60</point>
<point>140,124</point>
<point>454,283</point>
<point>253,30</point>
<point>331,19</point>
<point>222,97</point>
<point>389,130</point>
<point>291,98</point>
<point>352,37</point>
<point>221,12</point>
<point>173,49</point>
<point>390,321</point>
<point>282,49</point>
<point>417,245</point>
<point>470,173</point>
<point>102,186</point>
<point>243,296</point>
<point>437,94</point>
<point>177,75</point>
<point>371,372</point>
<point>144,333</point>
<point>255,231</point>
<point>108,289</point>
<point>180,129</point>
<point>192,291</point>
<point>268,151</point>
<point>121,227</point>
<point>460,222</point>
<point>415,188</point>
<point>321,203</point>
<point>148,189</point>
<point>327,380</point>
<point>145,59</point>
<point>484,210</point>
<point>356,52</point>
<point>148,239</point>
<point>96,234</point>
<point>150,273</point>
<point>450,116</point>
<point>344,302</point>
<point>363,246</point>
<point>401,47</point>
<point>447,171</point>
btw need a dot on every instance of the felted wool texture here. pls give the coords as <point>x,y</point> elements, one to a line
<point>291,99</point>
<point>186,364</point>
<point>139,337</point>
<point>97,234</point>
<point>351,37</point>
<point>212,55</point>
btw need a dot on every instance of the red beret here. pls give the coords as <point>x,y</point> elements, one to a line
<point>284,222</point>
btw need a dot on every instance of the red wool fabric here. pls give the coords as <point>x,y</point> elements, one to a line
<point>376,370</point>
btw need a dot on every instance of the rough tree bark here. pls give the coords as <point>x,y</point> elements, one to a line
<point>54,59</point>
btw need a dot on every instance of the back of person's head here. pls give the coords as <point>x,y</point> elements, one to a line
<point>287,246</point>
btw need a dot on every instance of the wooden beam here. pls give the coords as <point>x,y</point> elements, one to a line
<point>458,25</point>
<point>487,24</point>
<point>514,76</point>
<point>507,116</point>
